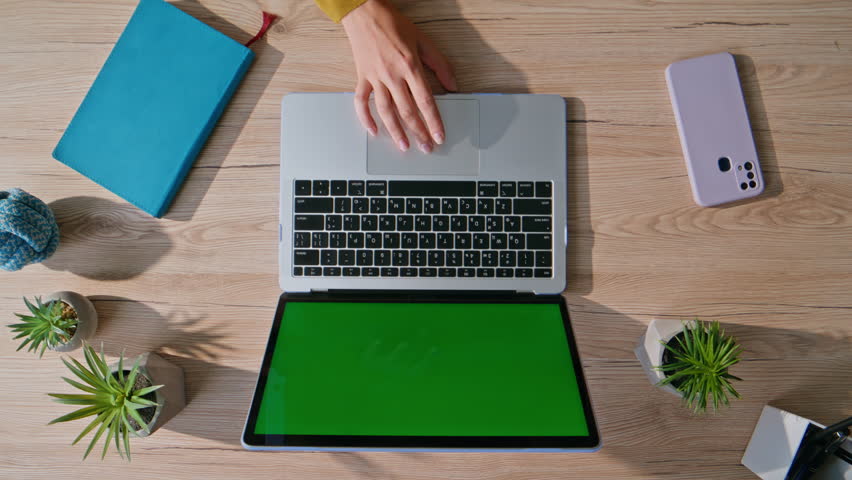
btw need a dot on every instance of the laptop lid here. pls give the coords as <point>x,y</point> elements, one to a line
<point>421,372</point>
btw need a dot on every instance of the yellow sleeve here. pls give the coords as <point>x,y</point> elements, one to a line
<point>337,9</point>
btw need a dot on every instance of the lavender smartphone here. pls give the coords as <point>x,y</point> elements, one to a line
<point>714,129</point>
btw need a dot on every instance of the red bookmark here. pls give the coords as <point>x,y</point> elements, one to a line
<point>268,18</point>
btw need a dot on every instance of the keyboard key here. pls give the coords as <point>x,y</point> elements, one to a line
<point>404,223</point>
<point>427,241</point>
<point>331,271</point>
<point>390,240</point>
<point>476,223</point>
<point>489,258</point>
<point>320,187</point>
<point>303,187</point>
<point>400,258</point>
<point>516,241</point>
<point>467,206</point>
<point>523,273</point>
<point>408,272</point>
<point>485,206</point>
<point>351,272</point>
<point>298,271</point>
<point>373,240</point>
<point>369,272</point>
<point>446,272</point>
<point>441,223</point>
<point>543,273</point>
<point>436,258</point>
<point>355,240</point>
<point>526,259</point>
<point>480,241</point>
<point>359,205</point>
<point>328,257</point>
<point>414,205</point>
<point>382,258</point>
<point>526,189</point>
<point>356,188</point>
<point>302,240</point>
<point>485,272</point>
<point>432,205</point>
<point>507,258</point>
<point>428,272</point>
<point>417,188</point>
<point>308,222</point>
<point>417,258</point>
<point>409,240</point>
<point>364,258</point>
<point>390,272</point>
<point>543,189</point>
<point>449,206</point>
<point>505,272</point>
<point>346,257</point>
<point>537,224</point>
<point>466,272</point>
<point>512,224</point>
<point>387,223</point>
<point>445,241</point>
<point>539,241</point>
<point>369,223</point>
<point>338,188</point>
<point>378,205</point>
<point>543,259</point>
<point>471,258</point>
<point>319,240</point>
<point>463,241</point>
<point>333,222</point>
<point>337,240</point>
<point>377,188</point>
<point>507,189</point>
<point>525,206</point>
<point>423,223</point>
<point>487,189</point>
<point>306,257</point>
<point>503,206</point>
<point>499,241</point>
<point>351,223</point>
<point>396,205</point>
<point>494,224</point>
<point>458,223</point>
<point>313,271</point>
<point>342,205</point>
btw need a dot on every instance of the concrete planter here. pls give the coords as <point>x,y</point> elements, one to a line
<point>652,345</point>
<point>87,319</point>
<point>171,398</point>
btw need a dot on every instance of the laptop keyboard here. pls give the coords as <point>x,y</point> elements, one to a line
<point>402,228</point>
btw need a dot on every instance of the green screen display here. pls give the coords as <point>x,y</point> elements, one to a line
<point>424,369</point>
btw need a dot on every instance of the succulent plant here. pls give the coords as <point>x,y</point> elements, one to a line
<point>50,324</point>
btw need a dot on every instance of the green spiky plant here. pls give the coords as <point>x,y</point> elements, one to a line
<point>699,366</point>
<point>110,397</point>
<point>48,326</point>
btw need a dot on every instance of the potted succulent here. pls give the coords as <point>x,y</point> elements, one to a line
<point>62,323</point>
<point>690,360</point>
<point>136,401</point>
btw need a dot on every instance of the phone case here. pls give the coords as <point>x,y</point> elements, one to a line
<point>714,129</point>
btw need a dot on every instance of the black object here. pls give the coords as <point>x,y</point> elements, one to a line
<point>817,445</point>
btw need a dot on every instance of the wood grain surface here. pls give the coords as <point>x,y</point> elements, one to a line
<point>200,285</point>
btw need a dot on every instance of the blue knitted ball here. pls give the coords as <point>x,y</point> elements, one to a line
<point>28,231</point>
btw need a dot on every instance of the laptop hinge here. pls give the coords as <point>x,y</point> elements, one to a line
<point>420,293</point>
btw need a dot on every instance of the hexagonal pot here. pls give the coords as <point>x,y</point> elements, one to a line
<point>652,346</point>
<point>171,398</point>
<point>87,319</point>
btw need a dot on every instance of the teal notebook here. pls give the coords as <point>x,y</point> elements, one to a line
<point>153,105</point>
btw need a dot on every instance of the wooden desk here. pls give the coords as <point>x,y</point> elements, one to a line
<point>200,285</point>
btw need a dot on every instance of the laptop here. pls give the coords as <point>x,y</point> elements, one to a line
<point>421,306</point>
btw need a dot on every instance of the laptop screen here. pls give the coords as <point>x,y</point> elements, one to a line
<point>370,373</point>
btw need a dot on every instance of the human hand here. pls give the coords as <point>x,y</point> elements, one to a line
<point>390,52</point>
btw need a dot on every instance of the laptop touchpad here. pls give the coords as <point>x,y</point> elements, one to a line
<point>459,155</point>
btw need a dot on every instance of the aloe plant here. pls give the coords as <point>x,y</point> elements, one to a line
<point>47,327</point>
<point>110,397</point>
<point>699,370</point>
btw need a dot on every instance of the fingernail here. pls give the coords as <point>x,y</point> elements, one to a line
<point>403,145</point>
<point>426,147</point>
<point>439,138</point>
<point>372,131</point>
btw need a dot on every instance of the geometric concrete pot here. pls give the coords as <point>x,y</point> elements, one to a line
<point>171,397</point>
<point>87,319</point>
<point>652,345</point>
